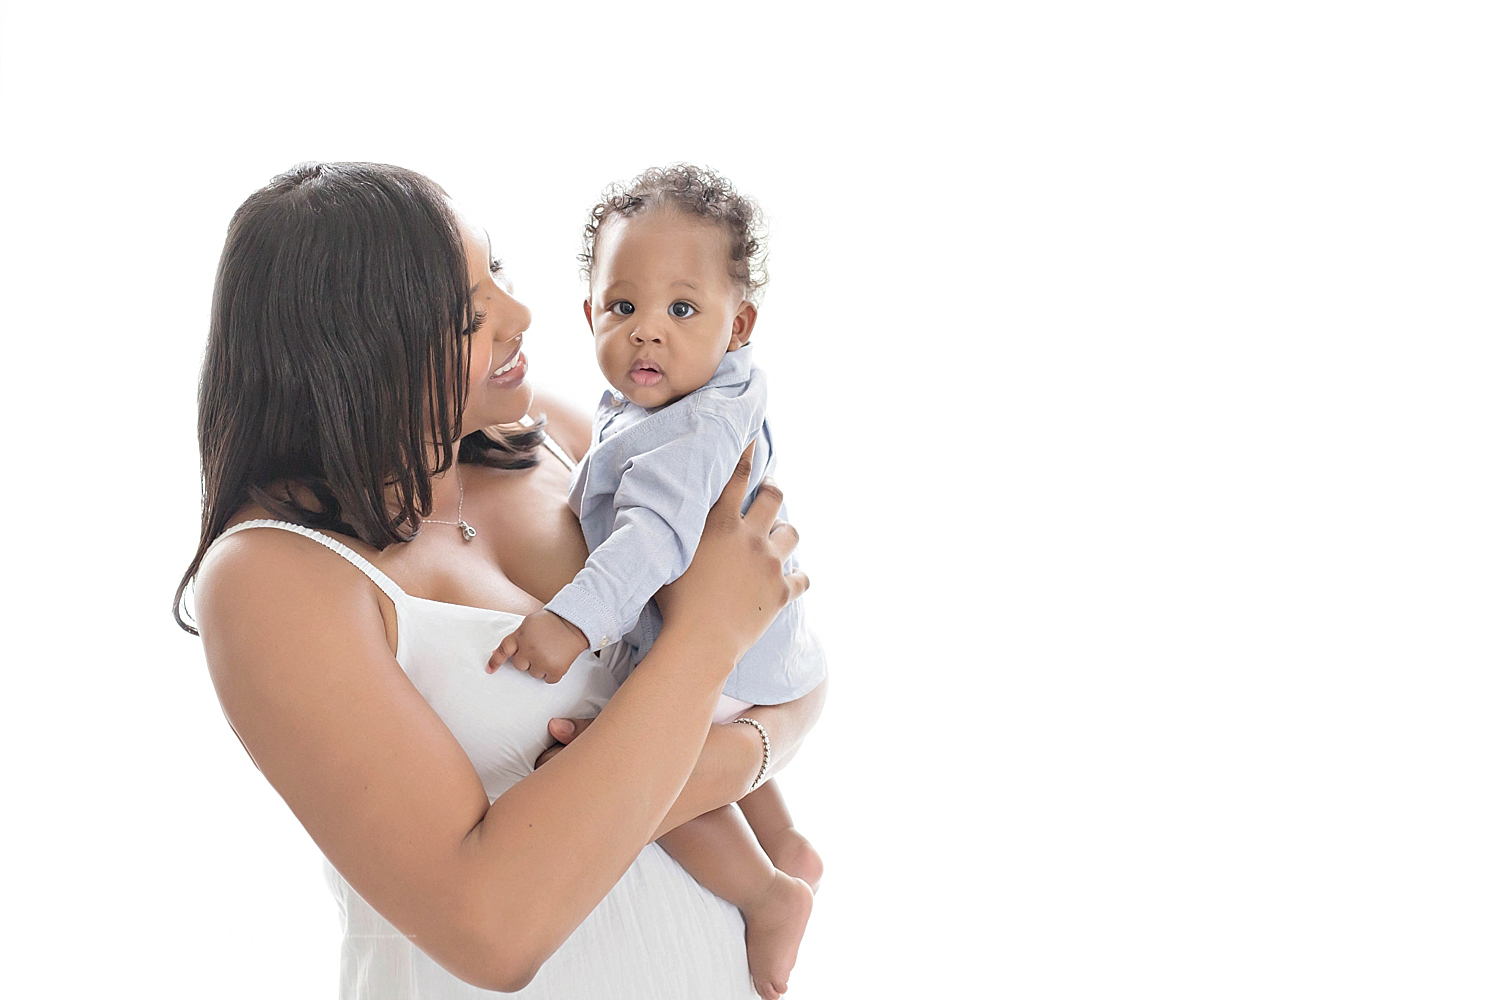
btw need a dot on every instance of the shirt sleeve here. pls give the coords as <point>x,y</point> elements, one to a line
<point>663,498</point>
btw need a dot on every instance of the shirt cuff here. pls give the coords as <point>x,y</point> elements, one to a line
<point>587,614</point>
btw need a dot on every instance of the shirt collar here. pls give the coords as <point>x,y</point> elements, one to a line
<point>733,370</point>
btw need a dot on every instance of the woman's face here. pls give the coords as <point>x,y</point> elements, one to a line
<point>498,390</point>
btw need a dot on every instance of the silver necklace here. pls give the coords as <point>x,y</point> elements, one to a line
<point>462,525</point>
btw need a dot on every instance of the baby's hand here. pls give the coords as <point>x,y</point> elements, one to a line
<point>545,646</point>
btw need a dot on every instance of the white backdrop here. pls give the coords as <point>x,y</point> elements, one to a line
<point>1135,370</point>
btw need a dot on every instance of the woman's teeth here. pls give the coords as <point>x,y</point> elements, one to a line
<point>507,366</point>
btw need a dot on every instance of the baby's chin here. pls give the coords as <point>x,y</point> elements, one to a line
<point>649,397</point>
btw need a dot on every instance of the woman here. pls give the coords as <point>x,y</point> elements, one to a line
<point>360,331</point>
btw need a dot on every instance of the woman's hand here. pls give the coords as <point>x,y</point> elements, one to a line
<point>564,731</point>
<point>735,586</point>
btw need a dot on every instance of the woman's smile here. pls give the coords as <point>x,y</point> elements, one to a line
<point>512,372</point>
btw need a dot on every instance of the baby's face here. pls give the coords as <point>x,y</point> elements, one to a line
<point>662,305</point>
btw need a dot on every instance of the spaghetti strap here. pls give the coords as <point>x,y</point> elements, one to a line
<point>550,444</point>
<point>557,450</point>
<point>385,583</point>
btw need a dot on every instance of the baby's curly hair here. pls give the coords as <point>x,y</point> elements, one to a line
<point>699,191</point>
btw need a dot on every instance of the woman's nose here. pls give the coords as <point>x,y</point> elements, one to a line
<point>519,316</point>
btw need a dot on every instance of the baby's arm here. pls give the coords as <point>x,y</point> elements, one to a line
<point>659,507</point>
<point>544,646</point>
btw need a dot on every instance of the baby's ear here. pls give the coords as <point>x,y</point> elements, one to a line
<point>588,314</point>
<point>744,323</point>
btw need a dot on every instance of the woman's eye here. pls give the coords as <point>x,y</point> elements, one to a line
<point>622,308</point>
<point>681,310</point>
<point>496,266</point>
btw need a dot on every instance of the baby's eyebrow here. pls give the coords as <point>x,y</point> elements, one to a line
<point>685,284</point>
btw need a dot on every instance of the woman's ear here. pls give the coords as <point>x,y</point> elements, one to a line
<point>588,314</point>
<point>744,323</point>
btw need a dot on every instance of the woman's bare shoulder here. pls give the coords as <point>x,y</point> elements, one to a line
<point>247,562</point>
<point>266,582</point>
<point>569,425</point>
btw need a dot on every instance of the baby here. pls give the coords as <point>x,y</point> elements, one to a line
<point>675,262</point>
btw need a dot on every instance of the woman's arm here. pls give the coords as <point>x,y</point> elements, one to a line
<point>297,648</point>
<point>731,754</point>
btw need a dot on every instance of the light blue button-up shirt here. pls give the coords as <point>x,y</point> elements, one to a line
<point>642,493</point>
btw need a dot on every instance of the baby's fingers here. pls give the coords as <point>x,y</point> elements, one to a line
<point>503,652</point>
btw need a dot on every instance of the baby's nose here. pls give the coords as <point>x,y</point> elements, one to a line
<point>643,335</point>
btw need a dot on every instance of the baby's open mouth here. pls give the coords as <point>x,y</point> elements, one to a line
<point>645,373</point>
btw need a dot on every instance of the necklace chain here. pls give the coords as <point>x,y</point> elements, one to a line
<point>462,525</point>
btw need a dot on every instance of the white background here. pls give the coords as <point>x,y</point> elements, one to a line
<point>1135,370</point>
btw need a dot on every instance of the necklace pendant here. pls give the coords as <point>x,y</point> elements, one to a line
<point>469,532</point>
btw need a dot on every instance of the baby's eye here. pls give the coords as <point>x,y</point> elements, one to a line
<point>622,308</point>
<point>682,310</point>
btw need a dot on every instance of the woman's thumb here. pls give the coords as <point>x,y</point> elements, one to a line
<point>563,730</point>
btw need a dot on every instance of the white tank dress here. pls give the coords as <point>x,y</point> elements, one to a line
<point>658,934</point>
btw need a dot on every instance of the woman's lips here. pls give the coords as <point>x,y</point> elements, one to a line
<point>512,372</point>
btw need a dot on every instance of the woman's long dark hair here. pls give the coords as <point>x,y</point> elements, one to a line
<point>335,357</point>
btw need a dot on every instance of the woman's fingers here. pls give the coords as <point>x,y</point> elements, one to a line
<point>784,539</point>
<point>564,731</point>
<point>567,730</point>
<point>727,507</point>
<point>734,585</point>
<point>766,506</point>
<point>798,582</point>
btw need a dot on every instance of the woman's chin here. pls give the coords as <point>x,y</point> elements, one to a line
<point>500,411</point>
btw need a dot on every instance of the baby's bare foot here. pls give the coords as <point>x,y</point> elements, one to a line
<point>773,930</point>
<point>794,854</point>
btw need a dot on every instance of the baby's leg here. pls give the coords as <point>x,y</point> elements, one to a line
<point>719,851</point>
<point>767,815</point>
<point>766,812</point>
